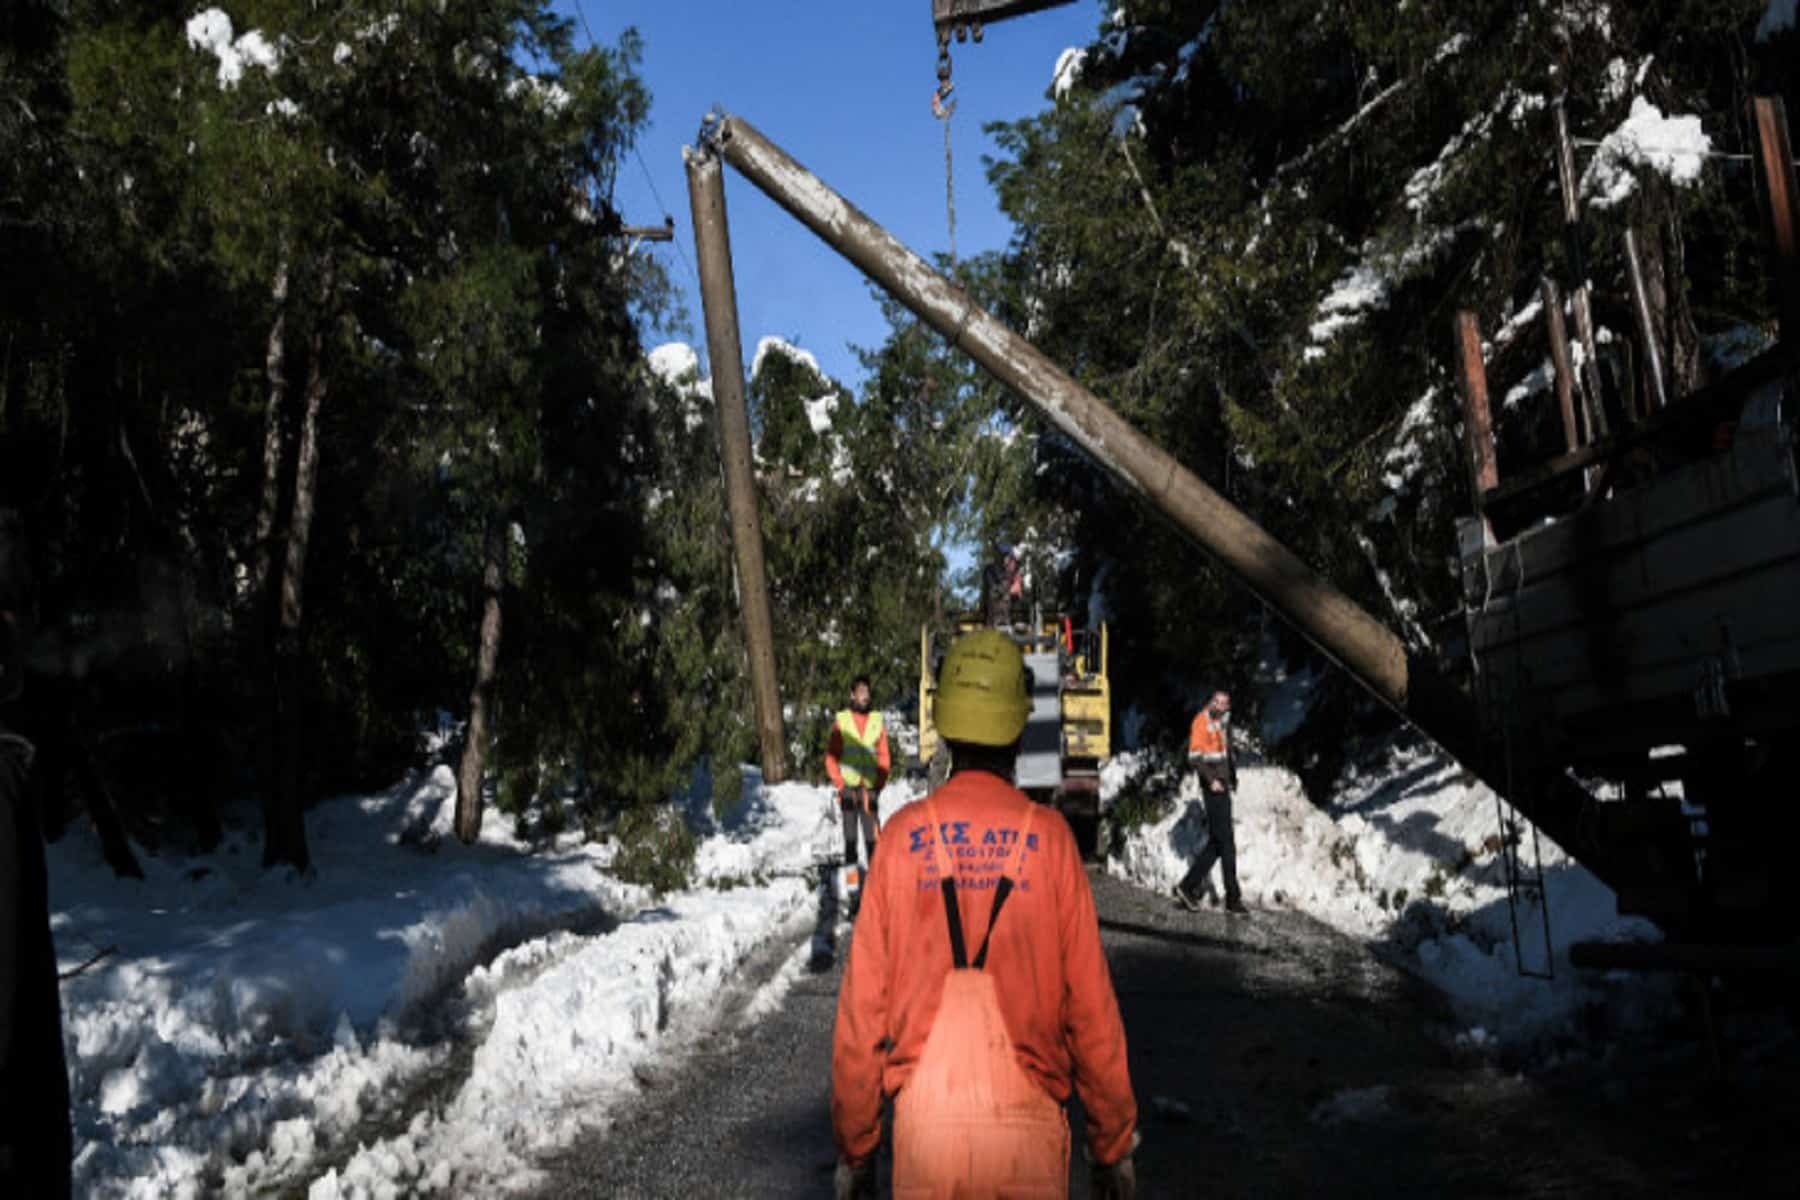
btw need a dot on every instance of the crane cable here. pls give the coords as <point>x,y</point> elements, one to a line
<point>943,107</point>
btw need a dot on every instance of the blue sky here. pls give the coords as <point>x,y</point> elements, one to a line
<point>844,86</point>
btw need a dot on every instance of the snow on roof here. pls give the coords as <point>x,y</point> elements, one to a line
<point>1068,70</point>
<point>210,29</point>
<point>765,345</point>
<point>1777,17</point>
<point>1674,147</point>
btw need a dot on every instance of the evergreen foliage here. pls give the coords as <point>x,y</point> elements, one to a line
<point>1247,226</point>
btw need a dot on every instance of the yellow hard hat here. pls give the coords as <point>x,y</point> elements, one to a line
<point>981,695</point>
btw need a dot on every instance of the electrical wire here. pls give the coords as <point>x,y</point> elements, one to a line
<point>581,12</point>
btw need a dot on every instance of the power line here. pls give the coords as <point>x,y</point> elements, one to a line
<point>581,11</point>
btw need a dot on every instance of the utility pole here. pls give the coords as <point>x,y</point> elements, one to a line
<point>718,296</point>
<point>1332,621</point>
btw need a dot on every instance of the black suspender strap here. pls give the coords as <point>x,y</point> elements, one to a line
<point>959,949</point>
<point>1001,892</point>
<point>959,953</point>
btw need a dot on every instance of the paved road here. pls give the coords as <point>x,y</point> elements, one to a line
<point>1271,1057</point>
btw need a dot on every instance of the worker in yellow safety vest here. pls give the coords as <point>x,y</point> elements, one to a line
<point>858,761</point>
<point>1214,769</point>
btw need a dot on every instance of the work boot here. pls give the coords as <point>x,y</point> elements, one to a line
<point>1235,906</point>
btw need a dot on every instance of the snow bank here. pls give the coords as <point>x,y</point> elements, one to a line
<point>574,1018</point>
<point>1408,860</point>
<point>249,1022</point>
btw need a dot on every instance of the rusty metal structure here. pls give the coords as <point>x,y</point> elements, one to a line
<point>1633,616</point>
<point>965,17</point>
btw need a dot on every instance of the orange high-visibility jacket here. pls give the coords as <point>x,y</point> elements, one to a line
<point>1206,738</point>
<point>1055,990</point>
<point>867,754</point>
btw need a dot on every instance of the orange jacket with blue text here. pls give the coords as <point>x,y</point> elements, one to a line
<point>1054,986</point>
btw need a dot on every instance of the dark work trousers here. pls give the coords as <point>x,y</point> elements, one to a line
<point>855,814</point>
<point>34,1083</point>
<point>1221,846</point>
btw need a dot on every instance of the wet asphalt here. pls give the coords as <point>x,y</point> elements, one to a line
<point>1272,1057</point>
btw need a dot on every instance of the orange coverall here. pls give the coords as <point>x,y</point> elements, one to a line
<point>1054,989</point>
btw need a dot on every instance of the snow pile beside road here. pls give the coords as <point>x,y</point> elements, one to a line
<point>248,1023</point>
<point>574,1018</point>
<point>1408,860</point>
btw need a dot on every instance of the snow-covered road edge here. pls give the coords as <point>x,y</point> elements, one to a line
<point>251,1024</point>
<point>1407,860</point>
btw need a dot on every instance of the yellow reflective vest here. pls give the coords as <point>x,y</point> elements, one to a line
<point>860,763</point>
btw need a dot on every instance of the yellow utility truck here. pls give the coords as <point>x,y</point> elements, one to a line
<point>1069,733</point>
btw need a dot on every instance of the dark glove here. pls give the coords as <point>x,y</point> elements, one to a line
<point>855,1183</point>
<point>1115,1182</point>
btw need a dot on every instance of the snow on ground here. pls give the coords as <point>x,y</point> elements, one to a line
<point>1408,860</point>
<point>249,1023</point>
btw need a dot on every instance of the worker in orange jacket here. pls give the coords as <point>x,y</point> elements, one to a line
<point>858,761</point>
<point>1214,767</point>
<point>977,991</point>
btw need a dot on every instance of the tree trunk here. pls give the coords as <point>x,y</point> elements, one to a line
<point>284,817</point>
<point>468,777</point>
<point>275,364</point>
<point>1687,366</point>
<point>115,845</point>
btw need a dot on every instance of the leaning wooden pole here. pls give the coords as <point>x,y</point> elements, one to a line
<point>1372,654</point>
<point>718,296</point>
<point>1336,624</point>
